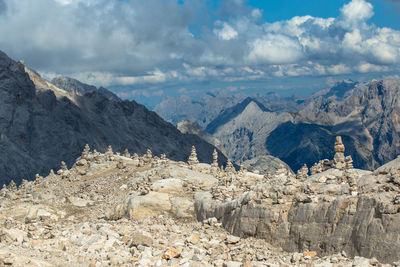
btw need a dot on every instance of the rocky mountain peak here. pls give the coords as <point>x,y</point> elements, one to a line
<point>42,124</point>
<point>72,85</point>
<point>14,79</point>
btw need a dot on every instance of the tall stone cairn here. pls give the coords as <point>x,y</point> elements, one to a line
<point>148,157</point>
<point>149,154</point>
<point>215,159</point>
<point>339,158</point>
<point>85,152</point>
<point>229,167</point>
<point>193,157</point>
<point>314,169</point>
<point>63,166</point>
<point>163,159</point>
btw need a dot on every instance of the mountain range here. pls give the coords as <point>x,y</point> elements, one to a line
<point>42,123</point>
<point>301,130</point>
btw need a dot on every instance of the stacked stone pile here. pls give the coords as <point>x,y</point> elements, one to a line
<point>131,210</point>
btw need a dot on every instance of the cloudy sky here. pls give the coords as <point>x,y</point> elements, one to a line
<point>159,48</point>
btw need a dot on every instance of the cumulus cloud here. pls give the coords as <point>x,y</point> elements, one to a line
<point>275,49</point>
<point>133,42</point>
<point>357,10</point>
<point>226,32</point>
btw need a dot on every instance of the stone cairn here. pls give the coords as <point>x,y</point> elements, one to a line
<point>12,186</point>
<point>163,159</point>
<point>148,157</point>
<point>215,159</point>
<point>302,173</point>
<point>96,156</point>
<point>64,170</point>
<point>109,154</point>
<point>86,152</point>
<point>214,165</point>
<point>83,162</point>
<point>339,158</point>
<point>193,157</point>
<point>230,169</point>
<point>227,176</point>
<point>339,161</point>
<point>281,170</point>
<point>121,164</point>
<point>126,153</point>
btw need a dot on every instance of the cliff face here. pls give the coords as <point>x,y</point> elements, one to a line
<point>380,111</point>
<point>353,225</point>
<point>41,124</point>
<point>326,213</point>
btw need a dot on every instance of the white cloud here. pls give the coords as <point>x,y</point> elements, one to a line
<point>357,10</point>
<point>226,32</point>
<point>121,43</point>
<point>274,49</point>
<point>256,13</point>
<point>367,67</point>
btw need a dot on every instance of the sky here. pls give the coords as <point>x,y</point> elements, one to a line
<point>151,49</point>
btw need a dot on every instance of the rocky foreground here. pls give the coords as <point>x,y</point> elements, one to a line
<point>126,210</point>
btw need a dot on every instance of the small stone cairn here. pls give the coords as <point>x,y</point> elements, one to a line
<point>302,173</point>
<point>193,157</point>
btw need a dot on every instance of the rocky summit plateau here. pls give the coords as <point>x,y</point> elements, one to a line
<point>113,209</point>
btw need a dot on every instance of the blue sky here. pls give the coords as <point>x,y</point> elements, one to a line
<point>151,49</point>
<point>385,11</point>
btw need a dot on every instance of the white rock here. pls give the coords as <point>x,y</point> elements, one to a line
<point>15,235</point>
<point>231,239</point>
<point>169,185</point>
<point>151,204</point>
<point>233,264</point>
<point>182,207</point>
<point>79,202</point>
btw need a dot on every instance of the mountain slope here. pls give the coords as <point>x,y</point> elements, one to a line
<point>202,111</point>
<point>366,115</point>
<point>41,124</point>
<point>246,128</point>
<point>231,113</point>
<point>303,143</point>
<point>188,127</point>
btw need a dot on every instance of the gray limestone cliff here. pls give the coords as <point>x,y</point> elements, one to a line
<point>337,208</point>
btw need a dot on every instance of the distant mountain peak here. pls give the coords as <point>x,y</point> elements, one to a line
<point>232,112</point>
